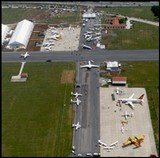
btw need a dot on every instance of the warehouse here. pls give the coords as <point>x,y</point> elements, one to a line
<point>21,35</point>
<point>5,30</point>
<point>112,66</point>
<point>119,80</point>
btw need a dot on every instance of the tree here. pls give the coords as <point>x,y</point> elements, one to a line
<point>155,10</point>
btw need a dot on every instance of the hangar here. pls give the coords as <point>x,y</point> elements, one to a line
<point>21,35</point>
<point>5,30</point>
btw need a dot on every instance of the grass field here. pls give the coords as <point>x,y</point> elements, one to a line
<point>35,121</point>
<point>146,74</point>
<point>14,15</point>
<point>141,36</point>
<point>137,12</point>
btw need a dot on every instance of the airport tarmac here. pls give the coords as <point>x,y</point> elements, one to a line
<point>110,124</point>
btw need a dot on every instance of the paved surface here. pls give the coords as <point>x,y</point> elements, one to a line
<point>139,20</point>
<point>144,21</point>
<point>85,138</point>
<point>140,123</point>
<point>101,55</point>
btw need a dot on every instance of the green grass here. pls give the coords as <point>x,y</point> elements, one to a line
<point>145,74</point>
<point>137,12</point>
<point>14,15</point>
<point>35,121</point>
<point>141,36</point>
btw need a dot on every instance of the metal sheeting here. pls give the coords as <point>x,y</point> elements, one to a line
<point>5,30</point>
<point>21,34</point>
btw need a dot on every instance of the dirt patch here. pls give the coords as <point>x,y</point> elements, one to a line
<point>67,76</point>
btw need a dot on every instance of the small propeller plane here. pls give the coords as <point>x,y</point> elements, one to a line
<point>126,115</point>
<point>110,147</point>
<point>77,101</point>
<point>77,126</point>
<point>25,55</point>
<point>131,100</point>
<point>76,94</point>
<point>89,65</point>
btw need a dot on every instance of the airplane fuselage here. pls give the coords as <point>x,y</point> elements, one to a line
<point>131,100</point>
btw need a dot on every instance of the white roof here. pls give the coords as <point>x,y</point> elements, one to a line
<point>112,64</point>
<point>89,15</point>
<point>5,30</point>
<point>22,33</point>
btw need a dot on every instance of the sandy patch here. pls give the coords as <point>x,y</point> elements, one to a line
<point>67,76</point>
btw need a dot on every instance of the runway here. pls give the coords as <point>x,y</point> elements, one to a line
<point>100,55</point>
<point>87,113</point>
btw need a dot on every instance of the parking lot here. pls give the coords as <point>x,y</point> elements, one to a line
<point>65,39</point>
<point>110,124</point>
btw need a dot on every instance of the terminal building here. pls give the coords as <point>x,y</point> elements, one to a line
<point>21,35</point>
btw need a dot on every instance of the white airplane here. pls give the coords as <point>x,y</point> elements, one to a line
<point>131,100</point>
<point>76,94</point>
<point>126,115</point>
<point>122,130</point>
<point>109,147</point>
<point>118,91</point>
<point>89,65</point>
<point>77,101</point>
<point>25,55</point>
<point>77,126</point>
<point>86,47</point>
<point>104,145</point>
<point>101,143</point>
<point>114,144</point>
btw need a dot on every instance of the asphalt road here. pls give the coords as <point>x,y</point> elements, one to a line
<point>100,55</point>
<point>87,113</point>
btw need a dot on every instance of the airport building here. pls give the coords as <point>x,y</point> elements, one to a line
<point>119,80</point>
<point>21,35</point>
<point>113,23</point>
<point>5,30</point>
<point>113,66</point>
<point>89,15</point>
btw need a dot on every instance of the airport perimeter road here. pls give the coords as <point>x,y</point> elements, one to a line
<point>88,113</point>
<point>100,55</point>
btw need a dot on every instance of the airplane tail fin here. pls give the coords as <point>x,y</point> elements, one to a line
<point>141,97</point>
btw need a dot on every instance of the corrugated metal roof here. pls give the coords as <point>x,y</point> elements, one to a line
<point>5,30</point>
<point>22,33</point>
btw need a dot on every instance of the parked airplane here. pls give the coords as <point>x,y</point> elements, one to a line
<point>105,145</point>
<point>25,55</point>
<point>77,126</point>
<point>77,101</point>
<point>89,65</point>
<point>86,47</point>
<point>131,100</point>
<point>122,129</point>
<point>76,94</point>
<point>126,115</point>
<point>101,143</point>
<point>114,144</point>
<point>118,91</point>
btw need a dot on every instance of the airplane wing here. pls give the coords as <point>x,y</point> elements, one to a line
<point>131,104</point>
<point>84,66</point>
<point>94,65</point>
<point>131,96</point>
